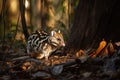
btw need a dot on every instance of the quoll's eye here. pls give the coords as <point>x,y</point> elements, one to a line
<point>58,39</point>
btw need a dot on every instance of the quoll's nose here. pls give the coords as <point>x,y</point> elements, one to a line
<point>63,44</point>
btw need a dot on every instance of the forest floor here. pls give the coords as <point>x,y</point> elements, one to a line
<point>16,65</point>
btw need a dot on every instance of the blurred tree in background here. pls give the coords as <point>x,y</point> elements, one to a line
<point>39,14</point>
<point>94,20</point>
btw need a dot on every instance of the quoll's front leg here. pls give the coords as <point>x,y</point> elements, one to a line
<point>46,55</point>
<point>46,58</point>
<point>46,51</point>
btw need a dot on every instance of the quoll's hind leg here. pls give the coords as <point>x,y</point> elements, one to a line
<point>40,56</point>
<point>46,58</point>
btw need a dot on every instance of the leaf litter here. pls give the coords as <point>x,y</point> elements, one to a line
<point>95,64</point>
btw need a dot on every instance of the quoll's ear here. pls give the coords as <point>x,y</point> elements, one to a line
<point>52,33</point>
<point>58,31</point>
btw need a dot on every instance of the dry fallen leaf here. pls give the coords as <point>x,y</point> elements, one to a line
<point>26,66</point>
<point>117,43</point>
<point>102,45</point>
<point>104,53</point>
<point>111,47</point>
<point>80,53</point>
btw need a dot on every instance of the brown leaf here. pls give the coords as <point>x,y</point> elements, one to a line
<point>104,53</point>
<point>26,66</point>
<point>117,43</point>
<point>111,47</point>
<point>100,48</point>
<point>80,53</point>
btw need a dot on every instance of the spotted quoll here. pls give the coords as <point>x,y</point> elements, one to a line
<point>41,44</point>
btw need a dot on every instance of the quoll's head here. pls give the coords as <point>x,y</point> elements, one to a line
<point>56,39</point>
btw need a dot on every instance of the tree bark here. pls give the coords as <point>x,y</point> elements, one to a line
<point>92,23</point>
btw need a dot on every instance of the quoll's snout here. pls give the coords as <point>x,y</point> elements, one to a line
<point>63,44</point>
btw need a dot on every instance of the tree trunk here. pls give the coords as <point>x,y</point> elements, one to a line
<point>22,11</point>
<point>93,22</point>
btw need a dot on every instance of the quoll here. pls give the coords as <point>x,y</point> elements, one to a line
<point>41,44</point>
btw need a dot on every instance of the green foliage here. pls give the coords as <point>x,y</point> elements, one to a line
<point>76,3</point>
<point>47,16</point>
<point>59,7</point>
